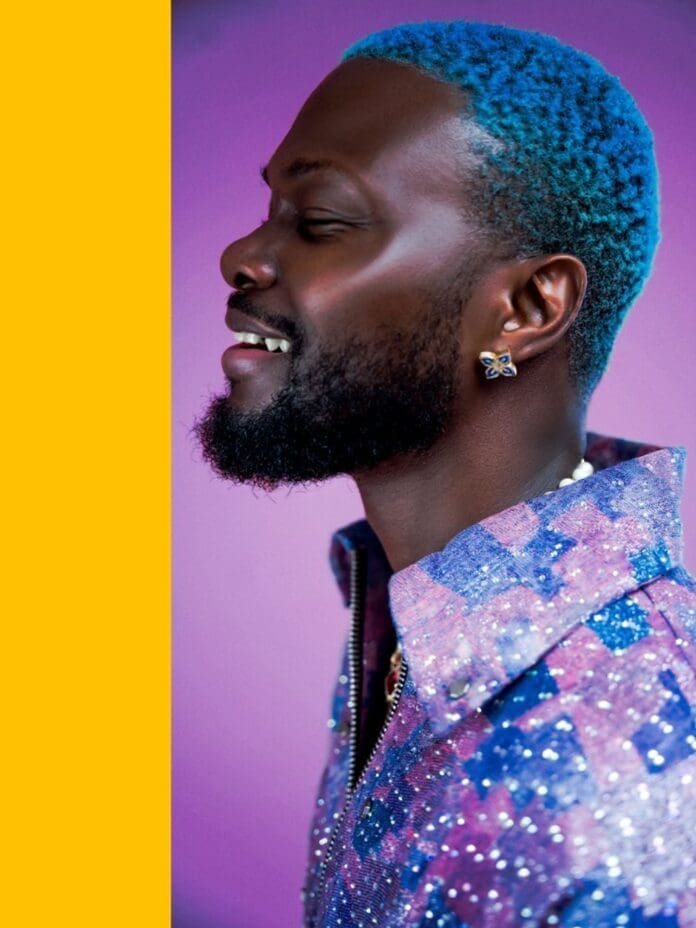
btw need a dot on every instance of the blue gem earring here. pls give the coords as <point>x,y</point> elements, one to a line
<point>497,364</point>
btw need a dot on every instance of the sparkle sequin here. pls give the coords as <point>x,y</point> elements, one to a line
<point>541,765</point>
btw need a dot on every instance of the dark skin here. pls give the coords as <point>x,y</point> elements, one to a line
<point>397,230</point>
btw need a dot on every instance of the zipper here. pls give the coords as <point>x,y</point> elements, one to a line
<point>358,586</point>
<point>357,601</point>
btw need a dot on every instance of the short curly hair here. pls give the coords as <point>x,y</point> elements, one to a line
<point>569,166</point>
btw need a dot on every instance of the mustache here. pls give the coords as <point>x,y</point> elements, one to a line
<point>244,304</point>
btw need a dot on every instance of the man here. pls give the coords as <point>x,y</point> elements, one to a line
<point>460,218</point>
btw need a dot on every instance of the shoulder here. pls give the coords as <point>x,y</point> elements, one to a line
<point>647,630</point>
<point>673,597</point>
<point>588,760</point>
<point>626,679</point>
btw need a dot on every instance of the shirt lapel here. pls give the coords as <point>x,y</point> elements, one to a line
<point>475,615</point>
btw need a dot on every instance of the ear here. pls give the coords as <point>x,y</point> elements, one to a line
<point>538,304</point>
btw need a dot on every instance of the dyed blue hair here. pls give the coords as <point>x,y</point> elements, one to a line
<point>569,165</point>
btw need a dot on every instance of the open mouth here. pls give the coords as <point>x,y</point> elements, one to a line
<point>252,340</point>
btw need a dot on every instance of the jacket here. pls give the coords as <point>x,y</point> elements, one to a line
<point>538,766</point>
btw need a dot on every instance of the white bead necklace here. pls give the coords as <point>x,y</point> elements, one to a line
<point>584,469</point>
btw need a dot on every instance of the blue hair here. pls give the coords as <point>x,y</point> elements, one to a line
<point>569,166</point>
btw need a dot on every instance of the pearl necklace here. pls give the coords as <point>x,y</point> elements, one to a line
<point>584,469</point>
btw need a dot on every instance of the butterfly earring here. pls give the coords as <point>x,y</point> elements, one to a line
<point>497,364</point>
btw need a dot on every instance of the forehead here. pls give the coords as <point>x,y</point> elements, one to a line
<point>384,121</point>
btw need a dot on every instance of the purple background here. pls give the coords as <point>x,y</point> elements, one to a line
<point>258,623</point>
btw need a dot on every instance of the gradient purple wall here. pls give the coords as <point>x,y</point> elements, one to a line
<point>258,624</point>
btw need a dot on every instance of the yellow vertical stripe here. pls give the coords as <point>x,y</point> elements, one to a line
<point>86,488</point>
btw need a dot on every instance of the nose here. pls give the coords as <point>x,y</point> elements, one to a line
<point>244,267</point>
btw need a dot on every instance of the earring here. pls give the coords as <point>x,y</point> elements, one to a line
<point>497,364</point>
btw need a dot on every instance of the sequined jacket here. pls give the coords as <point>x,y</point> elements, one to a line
<point>538,766</point>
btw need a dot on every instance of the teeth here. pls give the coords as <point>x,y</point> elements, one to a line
<point>272,344</point>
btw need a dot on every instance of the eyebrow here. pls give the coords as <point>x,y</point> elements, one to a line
<point>301,166</point>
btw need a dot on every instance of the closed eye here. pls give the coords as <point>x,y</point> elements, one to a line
<point>312,228</point>
<point>319,228</point>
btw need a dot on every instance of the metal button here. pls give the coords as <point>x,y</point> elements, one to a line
<point>458,688</point>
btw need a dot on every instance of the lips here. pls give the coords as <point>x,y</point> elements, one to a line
<point>245,359</point>
<point>241,360</point>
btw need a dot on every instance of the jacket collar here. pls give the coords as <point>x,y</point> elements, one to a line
<point>475,615</point>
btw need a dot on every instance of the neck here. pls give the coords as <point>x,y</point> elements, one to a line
<point>509,450</point>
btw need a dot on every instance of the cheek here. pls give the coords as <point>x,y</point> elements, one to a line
<point>352,290</point>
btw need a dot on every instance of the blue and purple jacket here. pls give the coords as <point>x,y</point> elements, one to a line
<point>538,766</point>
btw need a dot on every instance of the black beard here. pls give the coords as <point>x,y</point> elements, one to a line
<point>343,410</point>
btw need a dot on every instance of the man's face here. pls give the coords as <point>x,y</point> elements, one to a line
<point>364,265</point>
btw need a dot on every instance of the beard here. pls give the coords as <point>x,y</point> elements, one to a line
<point>344,409</point>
